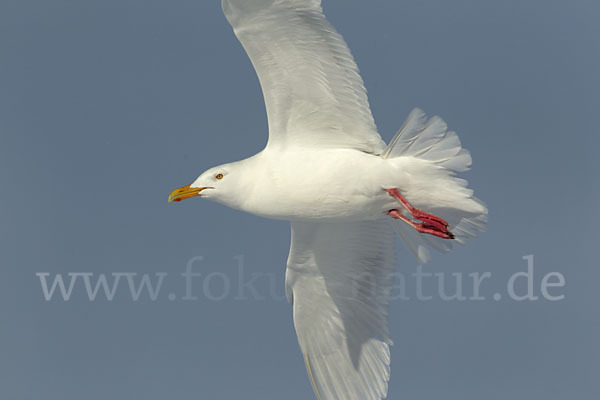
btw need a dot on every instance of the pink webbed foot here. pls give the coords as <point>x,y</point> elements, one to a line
<point>430,223</point>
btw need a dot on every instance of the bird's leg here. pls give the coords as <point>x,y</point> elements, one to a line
<point>423,227</point>
<point>431,224</point>
<point>415,212</point>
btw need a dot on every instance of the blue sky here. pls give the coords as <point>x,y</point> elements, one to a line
<point>105,107</point>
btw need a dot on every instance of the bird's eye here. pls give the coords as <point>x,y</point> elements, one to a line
<point>219,176</point>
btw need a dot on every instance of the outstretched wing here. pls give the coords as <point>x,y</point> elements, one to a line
<point>339,277</point>
<point>313,92</point>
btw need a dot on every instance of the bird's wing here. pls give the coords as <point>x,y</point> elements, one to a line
<point>339,277</point>
<point>313,92</point>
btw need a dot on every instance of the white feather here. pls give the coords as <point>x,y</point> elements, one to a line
<point>339,278</point>
<point>313,92</point>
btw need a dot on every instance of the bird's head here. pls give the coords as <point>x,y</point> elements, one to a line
<point>216,184</point>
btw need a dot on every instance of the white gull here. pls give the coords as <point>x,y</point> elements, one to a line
<point>326,169</point>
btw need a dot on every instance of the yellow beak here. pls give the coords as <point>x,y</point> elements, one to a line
<point>185,193</point>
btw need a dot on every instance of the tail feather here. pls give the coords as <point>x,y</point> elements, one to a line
<point>429,140</point>
<point>435,187</point>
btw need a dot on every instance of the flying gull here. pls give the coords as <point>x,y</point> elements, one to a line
<point>327,170</point>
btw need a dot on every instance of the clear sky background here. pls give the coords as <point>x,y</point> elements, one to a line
<point>107,106</point>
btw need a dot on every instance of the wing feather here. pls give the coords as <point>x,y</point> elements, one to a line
<point>312,89</point>
<point>339,279</point>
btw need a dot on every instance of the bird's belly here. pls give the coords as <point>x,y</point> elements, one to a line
<point>342,185</point>
<point>325,206</point>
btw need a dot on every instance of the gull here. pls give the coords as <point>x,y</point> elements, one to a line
<point>326,169</point>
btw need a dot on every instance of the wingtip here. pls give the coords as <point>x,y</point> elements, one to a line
<point>312,379</point>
